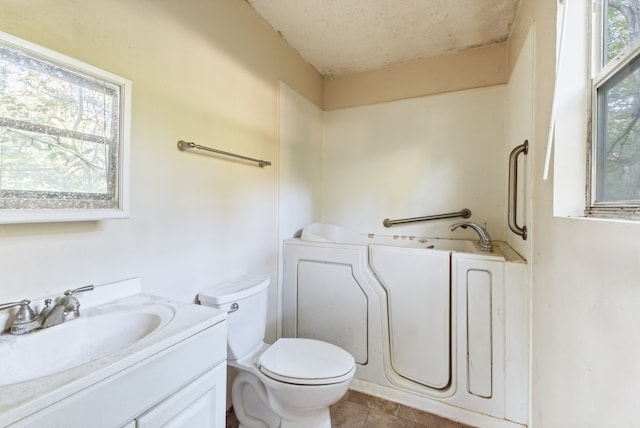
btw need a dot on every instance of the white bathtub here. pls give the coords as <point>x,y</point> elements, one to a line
<point>421,316</point>
<point>329,233</point>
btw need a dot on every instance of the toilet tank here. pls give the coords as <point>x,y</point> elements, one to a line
<point>245,301</point>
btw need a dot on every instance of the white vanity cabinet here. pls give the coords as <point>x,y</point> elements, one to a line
<point>181,385</point>
<point>199,404</point>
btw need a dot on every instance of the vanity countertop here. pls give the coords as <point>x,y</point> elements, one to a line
<point>179,322</point>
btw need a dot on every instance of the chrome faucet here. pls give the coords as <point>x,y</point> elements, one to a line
<point>485,239</point>
<point>65,309</point>
<point>53,317</point>
<point>26,321</point>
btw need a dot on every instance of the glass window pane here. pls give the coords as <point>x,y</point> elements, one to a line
<point>618,149</point>
<point>64,137</point>
<point>59,135</point>
<point>622,26</point>
<point>39,92</point>
<point>34,162</point>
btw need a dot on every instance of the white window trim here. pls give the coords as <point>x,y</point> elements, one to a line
<point>68,214</point>
<point>573,112</point>
<point>571,165</point>
<point>601,75</point>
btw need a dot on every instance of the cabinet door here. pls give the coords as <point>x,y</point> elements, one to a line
<point>199,404</point>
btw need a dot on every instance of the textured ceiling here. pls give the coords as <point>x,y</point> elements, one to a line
<point>340,37</point>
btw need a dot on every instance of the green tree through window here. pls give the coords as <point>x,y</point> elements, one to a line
<point>64,131</point>
<point>617,140</point>
<point>56,127</point>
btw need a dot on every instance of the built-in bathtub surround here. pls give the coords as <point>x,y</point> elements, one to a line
<point>96,370</point>
<point>409,158</point>
<point>432,323</point>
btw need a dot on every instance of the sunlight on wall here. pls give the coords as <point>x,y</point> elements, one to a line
<point>202,71</point>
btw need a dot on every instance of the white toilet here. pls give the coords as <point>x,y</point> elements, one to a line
<point>291,383</point>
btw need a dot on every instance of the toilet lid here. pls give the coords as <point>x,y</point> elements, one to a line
<point>306,362</point>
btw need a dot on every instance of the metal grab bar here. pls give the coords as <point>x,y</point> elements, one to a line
<point>184,145</point>
<point>465,213</point>
<point>513,189</point>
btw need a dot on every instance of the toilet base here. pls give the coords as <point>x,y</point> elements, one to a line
<point>253,409</point>
<point>317,420</point>
<point>323,422</point>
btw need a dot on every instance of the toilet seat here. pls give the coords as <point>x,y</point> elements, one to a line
<point>306,362</point>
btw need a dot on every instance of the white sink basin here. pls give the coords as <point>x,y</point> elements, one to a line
<point>95,334</point>
<point>120,330</point>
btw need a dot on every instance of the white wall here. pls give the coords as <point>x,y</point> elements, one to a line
<point>417,157</point>
<point>585,293</point>
<point>300,158</point>
<point>300,173</point>
<point>519,116</point>
<point>203,71</point>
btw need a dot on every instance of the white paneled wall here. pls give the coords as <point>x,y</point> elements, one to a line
<point>520,92</point>
<point>300,157</point>
<point>300,165</point>
<point>417,157</point>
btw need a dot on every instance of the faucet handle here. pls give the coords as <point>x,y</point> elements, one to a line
<point>24,314</point>
<point>14,304</point>
<point>71,303</point>
<point>25,320</point>
<point>78,290</point>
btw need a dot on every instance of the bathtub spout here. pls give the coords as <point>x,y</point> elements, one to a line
<point>485,239</point>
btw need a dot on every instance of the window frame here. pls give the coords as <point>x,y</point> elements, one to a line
<point>600,76</point>
<point>31,206</point>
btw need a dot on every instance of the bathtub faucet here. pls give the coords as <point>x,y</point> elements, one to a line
<point>485,239</point>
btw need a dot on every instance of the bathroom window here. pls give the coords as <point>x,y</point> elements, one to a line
<point>64,129</point>
<point>615,143</point>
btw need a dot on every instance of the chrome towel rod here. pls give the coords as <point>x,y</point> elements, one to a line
<point>465,213</point>
<point>184,145</point>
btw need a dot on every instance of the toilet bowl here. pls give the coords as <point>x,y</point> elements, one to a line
<point>291,383</point>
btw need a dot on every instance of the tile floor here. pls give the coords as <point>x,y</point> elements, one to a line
<point>358,410</point>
